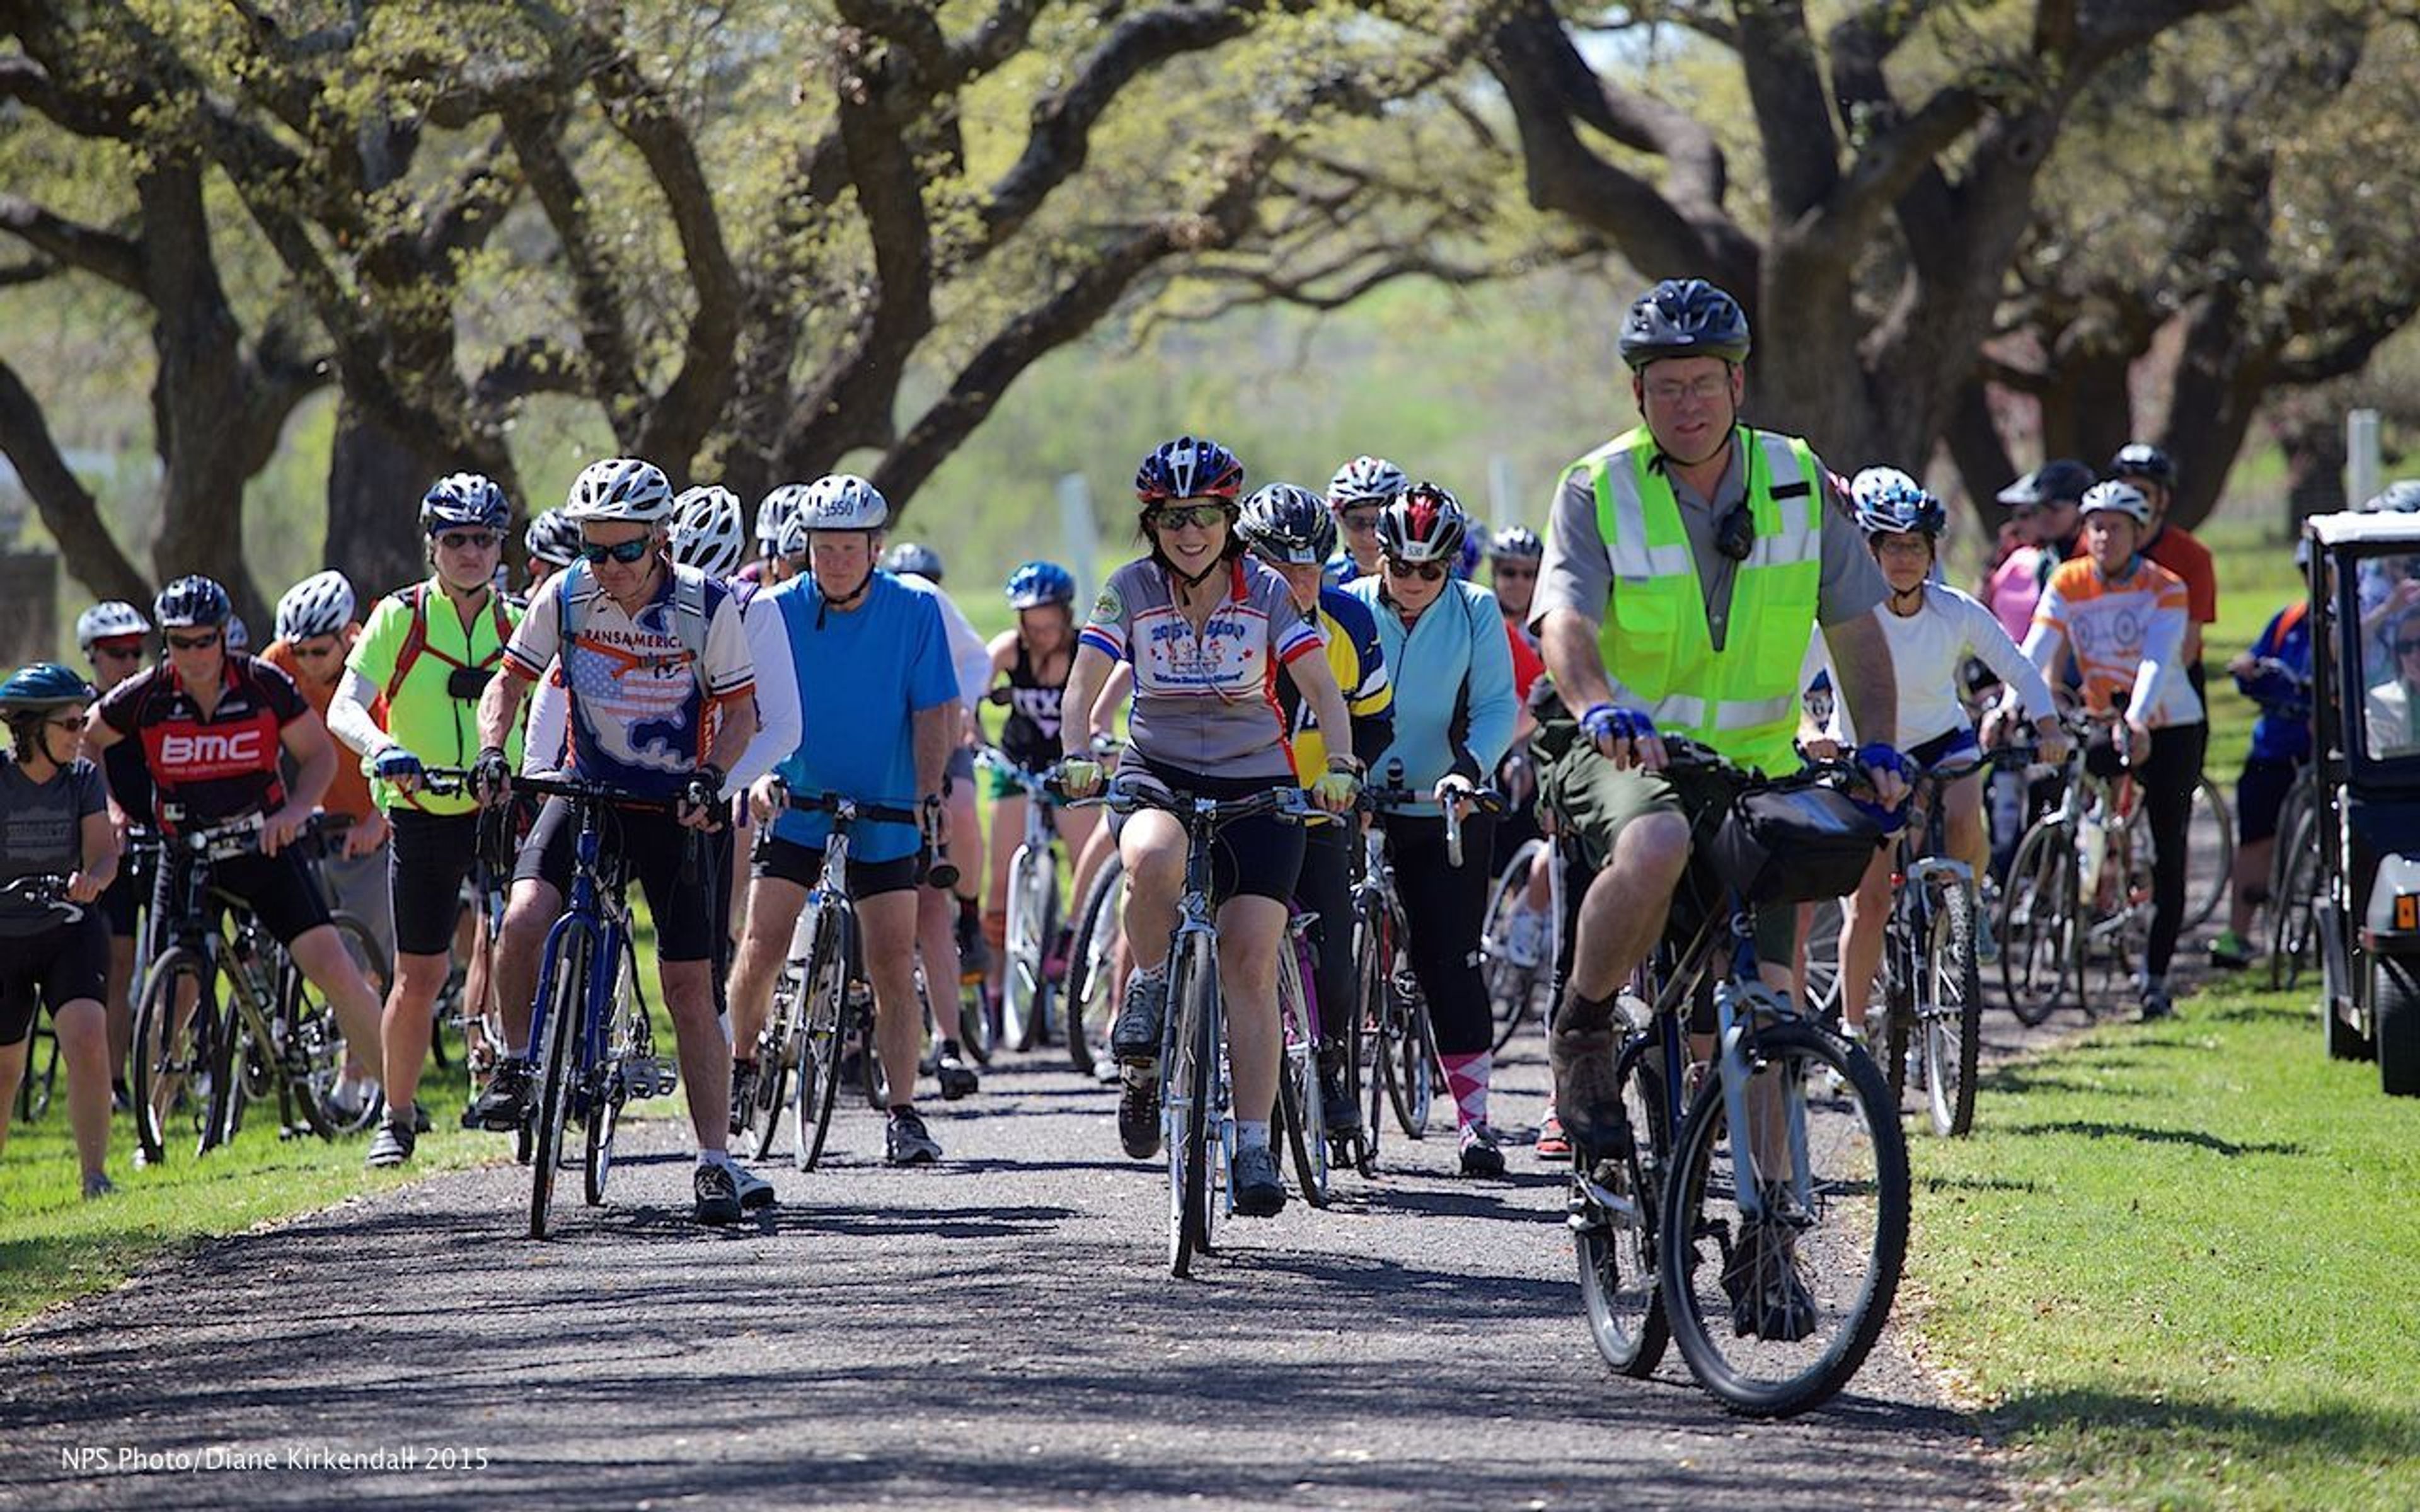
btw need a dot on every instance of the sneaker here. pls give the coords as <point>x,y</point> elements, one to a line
<point>392,1145</point>
<point>1525,938</point>
<point>908,1142</point>
<point>1260,1186</point>
<point>743,1093</point>
<point>1553,1144</point>
<point>1769,1299</point>
<point>1135,1037</point>
<point>2157,1004</point>
<point>950,1070</point>
<point>504,1105</point>
<point>1480,1154</point>
<point>98,1185</point>
<point>754,1191</point>
<point>2230,951</point>
<point>974,951</point>
<point>1139,1112</point>
<point>347,1100</point>
<point>718,1195</point>
<point>121,1097</point>
<point>1586,1093</point>
<point>1338,1110</point>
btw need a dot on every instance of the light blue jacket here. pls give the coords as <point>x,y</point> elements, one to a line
<point>1453,671</point>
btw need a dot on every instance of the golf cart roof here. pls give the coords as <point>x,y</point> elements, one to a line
<point>2356,528</point>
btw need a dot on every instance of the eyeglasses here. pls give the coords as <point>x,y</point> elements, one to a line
<point>630,553</point>
<point>468,540</point>
<point>1427,572</point>
<point>1195,516</point>
<point>1705,390</point>
<point>73,721</point>
<point>127,653</point>
<point>1360,521</point>
<point>1518,575</point>
<point>319,652</point>
<point>193,642</point>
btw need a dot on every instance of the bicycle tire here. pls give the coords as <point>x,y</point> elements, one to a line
<point>567,1016</point>
<point>2292,896</point>
<point>1513,991</point>
<point>1953,1020</point>
<point>979,1019</point>
<point>316,1048</point>
<point>1024,986</point>
<point>1300,1108</point>
<point>2037,923</point>
<point>1187,1132</point>
<point>1700,1205</point>
<point>1412,1062</point>
<point>1617,1253</point>
<point>832,968</point>
<point>222,1108</point>
<point>780,1053</point>
<point>41,1076</point>
<point>2210,800</point>
<point>1896,999</point>
<point>1365,1030</point>
<point>1090,996</point>
<point>611,1091</point>
<point>167,1064</point>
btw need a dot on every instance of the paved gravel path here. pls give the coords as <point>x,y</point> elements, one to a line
<point>998,1330</point>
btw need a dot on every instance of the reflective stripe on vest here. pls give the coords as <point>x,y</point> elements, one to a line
<point>1742,700</point>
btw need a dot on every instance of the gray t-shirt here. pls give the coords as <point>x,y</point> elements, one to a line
<point>40,833</point>
<point>1204,703</point>
<point>1577,572</point>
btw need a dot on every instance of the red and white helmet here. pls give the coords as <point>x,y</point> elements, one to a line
<point>1424,523</point>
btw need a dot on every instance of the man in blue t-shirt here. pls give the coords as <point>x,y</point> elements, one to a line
<point>2276,673</point>
<point>878,703</point>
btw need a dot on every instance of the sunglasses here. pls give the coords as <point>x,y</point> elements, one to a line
<point>318,653</point>
<point>126,652</point>
<point>1195,516</point>
<point>1427,572</point>
<point>1517,574</point>
<point>630,553</point>
<point>1361,523</point>
<point>468,540</point>
<point>72,722</point>
<point>193,642</point>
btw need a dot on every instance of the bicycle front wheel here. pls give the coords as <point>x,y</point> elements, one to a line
<point>1032,918</point>
<point>1951,1014</point>
<point>174,1035</point>
<point>1614,1207</point>
<point>1186,1098</point>
<point>2037,923</point>
<point>1776,1310</point>
<point>1520,965</point>
<point>1093,987</point>
<point>1300,1107</point>
<point>831,965</point>
<point>567,1018</point>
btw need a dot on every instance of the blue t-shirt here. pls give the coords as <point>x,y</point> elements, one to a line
<point>862,676</point>
<point>2283,732</point>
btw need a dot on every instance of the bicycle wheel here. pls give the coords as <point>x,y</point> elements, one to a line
<point>2292,899</point>
<point>1516,992</point>
<point>2210,815</point>
<point>1412,1059</point>
<point>780,1055</point>
<point>1366,1031</point>
<point>609,1088</point>
<point>1032,918</point>
<point>314,1050</point>
<point>831,969</point>
<point>41,1075</point>
<point>566,1017</point>
<point>174,1020</point>
<point>1773,1315</point>
<point>1300,1107</point>
<point>1186,1101</point>
<point>980,1024</point>
<point>1894,1008</point>
<point>1092,996</point>
<point>1614,1207</point>
<point>2037,922</point>
<point>1950,1014</point>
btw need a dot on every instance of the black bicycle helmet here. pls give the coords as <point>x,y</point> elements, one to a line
<point>1188,467</point>
<point>1286,524</point>
<point>2142,462</point>
<point>463,501</point>
<point>192,601</point>
<point>1683,317</point>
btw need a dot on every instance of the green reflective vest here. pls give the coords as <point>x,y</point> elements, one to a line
<point>1743,700</point>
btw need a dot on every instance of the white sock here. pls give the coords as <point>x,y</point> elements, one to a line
<point>1251,1134</point>
<point>714,1157</point>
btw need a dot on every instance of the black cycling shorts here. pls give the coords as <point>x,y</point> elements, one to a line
<point>1255,857</point>
<point>62,964</point>
<point>652,847</point>
<point>431,855</point>
<point>804,865</point>
<point>121,901</point>
<point>278,889</point>
<point>2260,796</point>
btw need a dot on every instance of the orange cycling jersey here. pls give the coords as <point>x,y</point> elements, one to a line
<point>2126,633</point>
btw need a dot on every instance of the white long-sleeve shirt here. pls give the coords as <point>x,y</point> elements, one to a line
<point>1927,649</point>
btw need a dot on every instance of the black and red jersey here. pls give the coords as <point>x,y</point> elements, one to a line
<point>205,771</point>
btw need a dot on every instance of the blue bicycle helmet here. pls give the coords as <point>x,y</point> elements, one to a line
<point>463,501</point>
<point>1037,583</point>
<point>41,687</point>
<point>1888,502</point>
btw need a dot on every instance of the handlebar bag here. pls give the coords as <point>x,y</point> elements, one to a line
<point>1795,842</point>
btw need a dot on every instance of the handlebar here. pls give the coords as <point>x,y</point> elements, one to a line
<point>44,890</point>
<point>1128,792</point>
<point>1393,798</point>
<point>932,867</point>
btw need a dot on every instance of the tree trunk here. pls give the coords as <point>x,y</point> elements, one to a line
<point>375,481</point>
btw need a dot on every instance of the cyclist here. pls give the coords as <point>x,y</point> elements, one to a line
<point>881,711</point>
<point>1034,658</point>
<point>1455,709</point>
<point>113,635</point>
<point>2013,585</point>
<point>211,724</point>
<point>553,541</point>
<point>2121,619</point>
<point>2055,491</point>
<point>1292,532</point>
<point>1206,629</point>
<point>54,822</point>
<point>1688,563</point>
<point>2275,673</point>
<point>949,921</point>
<point>409,699</point>
<point>1933,629</point>
<point>1513,558</point>
<point>315,630</point>
<point>661,689</point>
<point>2154,474</point>
<point>1359,489</point>
<point>772,513</point>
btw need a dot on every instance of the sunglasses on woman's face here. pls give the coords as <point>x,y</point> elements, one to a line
<point>629,553</point>
<point>1196,516</point>
<point>467,540</point>
<point>193,642</point>
<point>1427,572</point>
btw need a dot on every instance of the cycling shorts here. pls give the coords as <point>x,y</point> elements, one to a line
<point>430,856</point>
<point>790,861</point>
<point>651,846</point>
<point>65,964</point>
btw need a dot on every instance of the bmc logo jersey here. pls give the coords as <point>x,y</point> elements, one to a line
<point>208,770</point>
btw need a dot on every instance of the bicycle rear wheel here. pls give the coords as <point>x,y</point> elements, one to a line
<point>1411,1064</point>
<point>1775,1314</point>
<point>1516,992</point>
<point>1091,995</point>
<point>41,1073</point>
<point>831,967</point>
<point>1613,1212</point>
<point>1366,1031</point>
<point>2037,923</point>
<point>2293,897</point>
<point>1300,1107</point>
<point>1186,1099</point>
<point>609,1089</point>
<point>1950,1014</point>
<point>174,1043</point>
<point>567,1016</point>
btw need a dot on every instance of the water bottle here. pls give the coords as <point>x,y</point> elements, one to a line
<point>2095,846</point>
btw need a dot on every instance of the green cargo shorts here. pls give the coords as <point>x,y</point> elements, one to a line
<point>1592,801</point>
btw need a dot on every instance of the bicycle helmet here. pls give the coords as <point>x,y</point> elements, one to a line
<point>552,537</point>
<point>916,557</point>
<point>1465,559</point>
<point>321,603</point>
<point>2402,497</point>
<point>1517,544</point>
<point>238,635</point>
<point>2114,497</point>
<point>1366,480</point>
<point>192,601</point>
<point>41,687</point>
<point>1288,525</point>
<point>1037,583</point>
<point>776,509</point>
<point>2143,461</point>
<point>835,501</point>
<point>1683,317</point>
<point>1888,502</point>
<point>1425,524</point>
<point>463,500</point>
<point>708,531</point>
<point>108,620</point>
<point>620,489</point>
<point>1188,467</point>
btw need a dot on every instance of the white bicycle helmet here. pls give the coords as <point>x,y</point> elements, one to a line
<point>108,620</point>
<point>2116,497</point>
<point>708,531</point>
<point>838,501</point>
<point>1366,480</point>
<point>621,489</point>
<point>775,512</point>
<point>321,603</point>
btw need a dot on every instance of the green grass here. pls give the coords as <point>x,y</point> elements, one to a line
<point>2175,1266</point>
